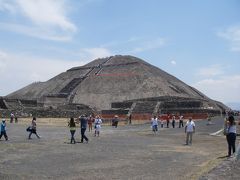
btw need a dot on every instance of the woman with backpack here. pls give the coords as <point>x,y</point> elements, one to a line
<point>33,129</point>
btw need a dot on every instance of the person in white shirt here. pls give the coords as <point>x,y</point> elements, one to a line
<point>162,122</point>
<point>231,135</point>
<point>11,117</point>
<point>97,126</point>
<point>180,121</point>
<point>189,130</point>
<point>154,122</point>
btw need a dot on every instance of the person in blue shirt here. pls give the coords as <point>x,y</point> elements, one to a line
<point>83,125</point>
<point>3,130</point>
<point>115,121</point>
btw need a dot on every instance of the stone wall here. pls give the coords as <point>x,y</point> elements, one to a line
<point>180,104</point>
<point>45,113</point>
<point>190,110</point>
<point>13,104</point>
<point>145,107</point>
<point>54,102</point>
<point>2,104</point>
<point>122,105</point>
<point>72,85</point>
<point>28,103</point>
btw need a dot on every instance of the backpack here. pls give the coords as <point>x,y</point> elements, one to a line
<point>29,129</point>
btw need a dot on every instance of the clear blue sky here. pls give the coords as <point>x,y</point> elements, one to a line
<point>198,41</point>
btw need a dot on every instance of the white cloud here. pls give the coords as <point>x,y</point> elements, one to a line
<point>19,70</point>
<point>37,32</point>
<point>173,62</point>
<point>232,34</point>
<point>94,53</point>
<point>46,19</point>
<point>5,6</point>
<point>46,12</point>
<point>210,71</point>
<point>2,55</point>
<point>225,89</point>
<point>135,44</point>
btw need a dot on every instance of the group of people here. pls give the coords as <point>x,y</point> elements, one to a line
<point>229,128</point>
<point>32,129</point>
<point>155,121</point>
<point>13,117</point>
<point>189,127</point>
<point>174,121</point>
<point>84,120</point>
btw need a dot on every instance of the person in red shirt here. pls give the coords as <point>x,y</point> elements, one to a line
<point>90,122</point>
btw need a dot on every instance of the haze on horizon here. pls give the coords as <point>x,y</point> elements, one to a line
<point>196,41</point>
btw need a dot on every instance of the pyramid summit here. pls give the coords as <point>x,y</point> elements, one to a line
<point>115,80</point>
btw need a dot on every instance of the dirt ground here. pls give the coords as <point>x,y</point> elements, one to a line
<point>126,152</point>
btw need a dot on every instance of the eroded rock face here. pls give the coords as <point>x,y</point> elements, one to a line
<point>103,81</point>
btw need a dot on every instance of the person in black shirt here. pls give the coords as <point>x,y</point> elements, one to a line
<point>83,125</point>
<point>115,121</point>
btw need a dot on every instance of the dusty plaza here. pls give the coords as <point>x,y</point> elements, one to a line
<point>126,152</point>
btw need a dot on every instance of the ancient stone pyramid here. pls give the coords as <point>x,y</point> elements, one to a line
<point>104,81</point>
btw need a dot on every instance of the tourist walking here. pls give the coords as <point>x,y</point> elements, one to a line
<point>209,119</point>
<point>115,121</point>
<point>16,118</point>
<point>162,123</point>
<point>11,117</point>
<point>33,128</point>
<point>90,122</point>
<point>168,120</point>
<point>154,122</point>
<point>173,121</point>
<point>189,130</point>
<point>72,126</point>
<point>130,119</point>
<point>83,126</point>
<point>97,125</point>
<point>3,130</point>
<point>180,121</point>
<point>231,135</point>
